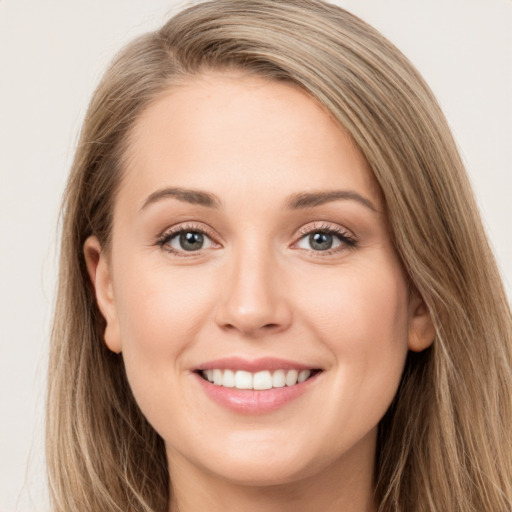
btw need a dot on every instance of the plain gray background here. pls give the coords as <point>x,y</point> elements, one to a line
<point>52,54</point>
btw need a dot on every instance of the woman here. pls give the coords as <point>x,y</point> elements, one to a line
<point>275,288</point>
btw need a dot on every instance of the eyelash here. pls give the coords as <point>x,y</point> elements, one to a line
<point>164,240</point>
<point>348,241</point>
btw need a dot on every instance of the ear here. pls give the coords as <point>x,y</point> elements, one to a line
<point>421,327</point>
<point>98,267</point>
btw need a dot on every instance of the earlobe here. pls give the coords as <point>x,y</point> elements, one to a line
<point>98,268</point>
<point>421,327</point>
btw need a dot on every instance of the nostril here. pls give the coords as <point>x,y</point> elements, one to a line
<point>253,319</point>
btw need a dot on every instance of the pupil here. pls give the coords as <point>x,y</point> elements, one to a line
<point>191,241</point>
<point>320,241</point>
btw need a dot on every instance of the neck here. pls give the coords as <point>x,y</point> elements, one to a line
<point>344,486</point>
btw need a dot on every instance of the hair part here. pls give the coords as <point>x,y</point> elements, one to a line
<point>444,444</point>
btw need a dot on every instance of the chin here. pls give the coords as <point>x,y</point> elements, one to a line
<point>262,464</point>
<point>262,473</point>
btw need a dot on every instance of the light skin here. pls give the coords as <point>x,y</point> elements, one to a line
<point>239,158</point>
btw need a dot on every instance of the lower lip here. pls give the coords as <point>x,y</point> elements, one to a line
<point>250,401</point>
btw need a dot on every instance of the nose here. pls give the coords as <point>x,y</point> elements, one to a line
<point>254,301</point>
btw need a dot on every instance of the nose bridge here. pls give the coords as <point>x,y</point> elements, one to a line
<point>253,300</point>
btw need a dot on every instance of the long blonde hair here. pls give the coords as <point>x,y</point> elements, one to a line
<point>446,442</point>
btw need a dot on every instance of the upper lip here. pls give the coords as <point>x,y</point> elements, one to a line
<point>254,365</point>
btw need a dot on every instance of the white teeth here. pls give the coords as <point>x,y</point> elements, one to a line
<point>228,379</point>
<point>303,375</point>
<point>291,377</point>
<point>217,377</point>
<point>260,380</point>
<point>243,380</point>
<point>278,379</point>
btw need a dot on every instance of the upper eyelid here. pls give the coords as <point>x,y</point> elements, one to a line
<point>174,230</point>
<point>347,237</point>
<point>315,226</point>
<point>164,239</point>
<point>303,231</point>
<point>324,226</point>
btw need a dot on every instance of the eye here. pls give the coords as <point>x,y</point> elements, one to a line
<point>319,241</point>
<point>185,240</point>
<point>189,241</point>
<point>325,239</point>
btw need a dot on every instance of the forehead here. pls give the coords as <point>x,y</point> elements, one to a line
<point>247,132</point>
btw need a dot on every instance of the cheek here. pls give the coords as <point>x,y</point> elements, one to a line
<point>363,304</point>
<point>361,315</point>
<point>159,306</point>
<point>160,311</point>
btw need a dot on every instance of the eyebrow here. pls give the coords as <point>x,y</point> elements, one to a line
<point>312,199</point>
<point>297,201</point>
<point>185,195</point>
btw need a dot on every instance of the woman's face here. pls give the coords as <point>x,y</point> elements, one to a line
<point>250,246</point>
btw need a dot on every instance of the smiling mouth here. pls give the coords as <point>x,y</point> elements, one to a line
<point>262,380</point>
